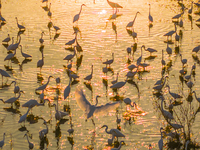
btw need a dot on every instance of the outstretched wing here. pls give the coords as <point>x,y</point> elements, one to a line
<point>81,100</point>
<point>100,110</point>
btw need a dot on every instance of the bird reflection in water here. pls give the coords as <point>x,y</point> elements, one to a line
<point>57,133</point>
<point>78,62</point>
<point>91,146</point>
<point>44,141</point>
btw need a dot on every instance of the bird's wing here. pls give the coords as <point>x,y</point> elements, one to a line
<point>100,110</point>
<point>116,132</point>
<point>81,100</point>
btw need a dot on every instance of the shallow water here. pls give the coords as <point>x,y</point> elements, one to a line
<point>98,41</point>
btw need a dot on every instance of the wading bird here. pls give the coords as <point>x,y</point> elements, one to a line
<point>23,117</point>
<point>4,74</point>
<point>89,77</point>
<point>120,145</point>
<point>70,56</point>
<point>21,27</point>
<point>40,62</point>
<point>109,62</point>
<point>26,56</point>
<point>160,142</point>
<point>150,17</point>
<point>43,87</point>
<point>6,40</point>
<point>130,24</point>
<point>114,5</point>
<point>43,132</point>
<point>77,16</point>
<point>30,145</point>
<point>41,39</point>
<point>2,142</point>
<point>16,88</point>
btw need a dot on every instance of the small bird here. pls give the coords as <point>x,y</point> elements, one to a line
<point>109,62</point>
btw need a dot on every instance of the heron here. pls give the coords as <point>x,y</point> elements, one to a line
<point>109,62</point>
<point>49,12</point>
<point>10,56</point>
<point>2,142</point>
<point>26,56</point>
<point>174,95</point>
<point>43,87</point>
<point>40,62</point>
<point>168,50</point>
<point>89,77</point>
<point>119,85</point>
<point>114,5</point>
<point>150,17</point>
<point>4,74</point>
<point>70,56</point>
<point>77,16</point>
<point>23,117</point>
<point>184,61</point>
<point>165,113</point>
<point>21,27</point>
<point>6,40</point>
<point>130,24</point>
<point>30,145</point>
<point>198,99</point>
<point>59,114</point>
<point>14,46</point>
<point>128,101</point>
<point>32,103</point>
<point>16,88</point>
<point>150,50</point>
<point>41,39</point>
<point>43,132</point>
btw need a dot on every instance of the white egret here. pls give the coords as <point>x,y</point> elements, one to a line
<point>43,87</point>
<point>165,113</point>
<point>6,40</point>
<point>70,56</point>
<point>21,27</point>
<point>77,16</point>
<point>114,5</point>
<point>130,24</point>
<point>160,142</point>
<point>89,77</point>
<point>114,132</point>
<point>68,88</point>
<point>2,142</point>
<point>23,117</point>
<point>120,145</point>
<point>93,110</point>
<point>16,88</point>
<point>174,95</point>
<point>4,74</point>
<point>26,56</point>
<point>43,132</point>
<point>40,62</point>
<point>119,85</point>
<point>41,39</point>
<point>150,17</point>
<point>13,99</point>
<point>49,12</point>
<point>115,81</point>
<point>198,99</point>
<point>30,145</point>
<point>109,62</point>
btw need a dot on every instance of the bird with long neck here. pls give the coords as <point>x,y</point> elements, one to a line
<point>150,17</point>
<point>140,58</point>
<point>41,39</point>
<point>77,16</point>
<point>43,87</point>
<point>2,142</point>
<point>13,99</point>
<point>163,61</point>
<point>89,77</point>
<point>68,88</point>
<point>165,113</point>
<point>30,145</point>
<point>160,142</point>
<point>21,27</point>
<point>40,62</point>
<point>130,24</point>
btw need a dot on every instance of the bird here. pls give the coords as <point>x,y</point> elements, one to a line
<point>165,113</point>
<point>198,99</point>
<point>89,77</point>
<point>184,61</point>
<point>14,46</point>
<point>16,88</point>
<point>114,5</point>
<point>168,50</point>
<point>72,41</point>
<point>132,66</point>
<point>92,110</point>
<point>163,61</point>
<point>120,145</point>
<point>140,58</point>
<point>43,87</point>
<point>150,17</point>
<point>176,126</point>
<point>70,56</point>
<point>26,56</point>
<point>56,28</point>
<point>129,50</point>
<point>41,39</point>
<point>131,74</point>
<point>2,142</point>
<point>13,99</point>
<point>114,132</point>
<point>43,132</point>
<point>109,62</point>
<point>4,74</point>
<point>160,142</point>
<point>10,56</point>
<point>77,16</point>
<point>21,27</point>
<point>115,81</point>
<point>30,145</point>
<point>23,117</point>
<point>178,16</point>
<point>174,95</point>
<point>150,50</point>
<point>6,40</point>
<point>170,33</point>
<point>128,101</point>
<point>186,144</point>
<point>130,24</point>
<point>49,12</point>
<point>40,62</point>
<point>159,87</point>
<point>59,114</point>
<point>68,88</point>
<point>70,131</point>
<point>32,103</point>
<point>119,85</point>
<point>196,49</point>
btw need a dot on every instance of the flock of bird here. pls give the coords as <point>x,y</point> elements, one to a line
<point>88,109</point>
